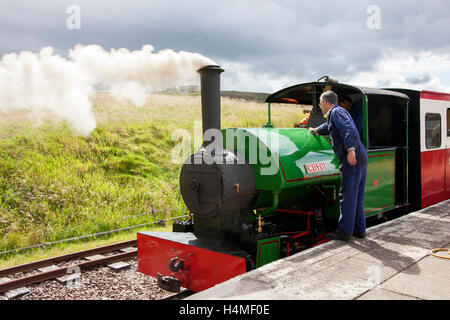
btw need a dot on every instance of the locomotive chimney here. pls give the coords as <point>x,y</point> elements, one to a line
<point>210,92</point>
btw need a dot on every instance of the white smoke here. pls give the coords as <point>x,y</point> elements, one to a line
<point>47,84</point>
<point>131,73</point>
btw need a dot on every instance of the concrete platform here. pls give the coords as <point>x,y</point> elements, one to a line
<point>392,262</point>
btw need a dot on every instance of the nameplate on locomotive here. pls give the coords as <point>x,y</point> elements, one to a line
<point>315,167</point>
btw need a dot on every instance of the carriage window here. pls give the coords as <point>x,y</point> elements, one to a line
<point>432,130</point>
<point>448,122</point>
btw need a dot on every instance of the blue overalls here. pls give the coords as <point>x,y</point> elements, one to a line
<point>344,136</point>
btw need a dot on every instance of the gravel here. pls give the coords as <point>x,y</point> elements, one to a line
<point>100,283</point>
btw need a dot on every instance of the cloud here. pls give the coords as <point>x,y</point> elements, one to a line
<point>265,41</point>
<point>410,70</point>
<point>241,73</point>
<point>419,79</point>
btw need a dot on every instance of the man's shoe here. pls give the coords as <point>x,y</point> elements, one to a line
<point>338,235</point>
<point>360,235</point>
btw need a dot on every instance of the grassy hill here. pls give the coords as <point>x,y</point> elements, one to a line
<point>249,96</point>
<point>55,185</point>
<point>235,95</point>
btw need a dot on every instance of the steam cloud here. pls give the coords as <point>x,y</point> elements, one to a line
<point>47,84</point>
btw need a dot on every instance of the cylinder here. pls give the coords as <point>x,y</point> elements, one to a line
<point>210,93</point>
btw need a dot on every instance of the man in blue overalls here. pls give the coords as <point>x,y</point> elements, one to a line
<point>352,155</point>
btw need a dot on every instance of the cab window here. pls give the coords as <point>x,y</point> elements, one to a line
<point>432,130</point>
<point>387,121</point>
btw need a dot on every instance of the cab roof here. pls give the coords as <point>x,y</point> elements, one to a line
<point>302,93</point>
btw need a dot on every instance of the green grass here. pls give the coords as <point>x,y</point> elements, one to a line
<point>74,246</point>
<point>55,185</point>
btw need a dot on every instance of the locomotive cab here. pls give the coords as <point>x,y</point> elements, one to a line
<point>384,133</point>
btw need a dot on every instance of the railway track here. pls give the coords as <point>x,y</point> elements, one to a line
<point>12,279</point>
<point>29,274</point>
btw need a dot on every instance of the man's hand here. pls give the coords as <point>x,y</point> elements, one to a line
<point>351,158</point>
<point>313,131</point>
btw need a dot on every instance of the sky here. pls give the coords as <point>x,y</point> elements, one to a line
<point>263,45</point>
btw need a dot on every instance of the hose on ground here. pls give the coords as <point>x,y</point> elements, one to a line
<point>433,253</point>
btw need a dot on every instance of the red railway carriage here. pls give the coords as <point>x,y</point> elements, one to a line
<point>434,147</point>
<point>429,141</point>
